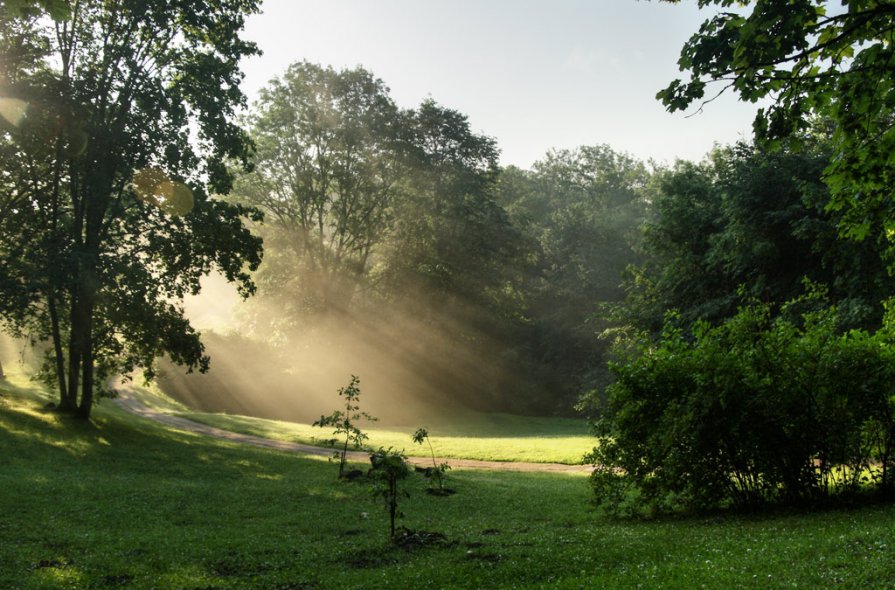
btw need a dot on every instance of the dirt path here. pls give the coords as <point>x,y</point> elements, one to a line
<point>131,404</point>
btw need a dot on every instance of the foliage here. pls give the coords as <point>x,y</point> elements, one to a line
<point>749,218</point>
<point>579,211</point>
<point>438,472</point>
<point>117,123</point>
<point>375,213</point>
<point>810,58</point>
<point>388,468</point>
<point>57,9</point>
<point>326,164</point>
<point>345,422</point>
<point>752,411</point>
<point>450,234</point>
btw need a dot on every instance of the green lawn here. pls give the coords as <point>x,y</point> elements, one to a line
<point>461,435</point>
<point>125,503</point>
<point>488,437</point>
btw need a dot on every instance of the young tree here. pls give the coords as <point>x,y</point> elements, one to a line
<point>388,468</point>
<point>345,423</point>
<point>437,473</point>
<point>125,125</point>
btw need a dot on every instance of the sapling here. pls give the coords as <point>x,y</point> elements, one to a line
<point>435,474</point>
<point>345,422</point>
<point>388,467</point>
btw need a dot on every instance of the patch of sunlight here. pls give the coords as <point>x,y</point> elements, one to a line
<point>153,397</point>
<point>484,441</point>
<point>249,464</point>
<point>188,576</point>
<point>102,440</point>
<point>59,573</point>
<point>328,493</point>
<point>270,476</point>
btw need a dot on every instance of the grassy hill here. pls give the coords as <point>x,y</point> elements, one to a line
<point>125,503</point>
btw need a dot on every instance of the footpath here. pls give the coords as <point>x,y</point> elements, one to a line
<point>133,405</point>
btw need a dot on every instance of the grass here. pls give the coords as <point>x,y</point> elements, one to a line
<point>462,435</point>
<point>487,437</point>
<point>122,502</point>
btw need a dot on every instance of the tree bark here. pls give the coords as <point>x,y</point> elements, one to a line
<point>66,403</point>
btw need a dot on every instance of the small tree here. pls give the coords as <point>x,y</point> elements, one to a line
<point>435,475</point>
<point>389,466</point>
<point>345,422</point>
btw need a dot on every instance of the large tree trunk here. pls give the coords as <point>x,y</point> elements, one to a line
<point>81,362</point>
<point>74,354</point>
<point>86,405</point>
<point>66,402</point>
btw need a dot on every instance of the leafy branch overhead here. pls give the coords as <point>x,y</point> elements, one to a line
<point>808,58</point>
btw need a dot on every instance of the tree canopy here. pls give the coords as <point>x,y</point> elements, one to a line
<point>809,58</point>
<point>326,165</point>
<point>749,221</point>
<point>117,130</point>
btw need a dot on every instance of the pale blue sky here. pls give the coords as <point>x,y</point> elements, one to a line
<point>533,74</point>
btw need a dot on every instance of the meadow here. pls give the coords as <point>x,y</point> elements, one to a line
<point>480,436</point>
<point>124,502</point>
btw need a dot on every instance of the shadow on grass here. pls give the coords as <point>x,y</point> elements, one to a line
<point>114,441</point>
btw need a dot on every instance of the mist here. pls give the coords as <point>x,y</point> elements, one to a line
<point>416,360</point>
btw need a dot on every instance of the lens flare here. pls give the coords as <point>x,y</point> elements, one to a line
<point>154,187</point>
<point>13,110</point>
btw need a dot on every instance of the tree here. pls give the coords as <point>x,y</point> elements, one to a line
<point>810,58</point>
<point>450,235</point>
<point>388,467</point>
<point>57,9</point>
<point>749,219</point>
<point>345,423</point>
<point>126,128</point>
<point>752,411</point>
<point>326,165</point>
<point>580,212</point>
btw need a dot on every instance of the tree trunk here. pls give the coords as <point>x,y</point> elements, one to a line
<point>86,405</point>
<point>85,314</point>
<point>66,403</point>
<point>74,354</point>
<point>392,504</point>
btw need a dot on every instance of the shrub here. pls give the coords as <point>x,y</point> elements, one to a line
<point>752,411</point>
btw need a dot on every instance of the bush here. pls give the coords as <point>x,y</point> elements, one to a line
<point>753,411</point>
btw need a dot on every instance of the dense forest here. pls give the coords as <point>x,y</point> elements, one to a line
<point>393,237</point>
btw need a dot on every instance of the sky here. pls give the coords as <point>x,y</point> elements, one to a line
<point>533,74</point>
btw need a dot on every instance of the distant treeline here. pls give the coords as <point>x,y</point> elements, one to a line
<point>373,212</point>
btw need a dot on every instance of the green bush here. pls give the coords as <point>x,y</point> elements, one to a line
<point>753,411</point>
